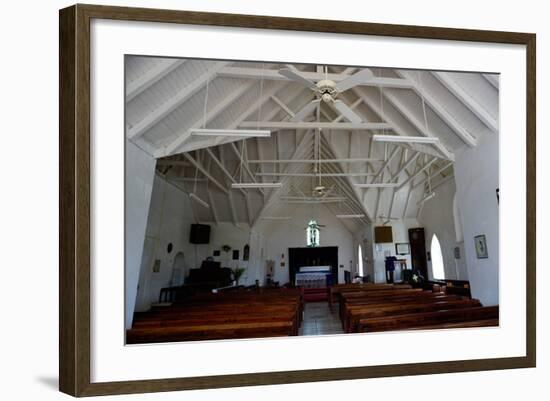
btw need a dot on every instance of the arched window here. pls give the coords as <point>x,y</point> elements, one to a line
<point>312,232</point>
<point>360,261</point>
<point>438,268</point>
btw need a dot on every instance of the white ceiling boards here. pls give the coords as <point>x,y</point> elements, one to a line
<point>274,130</point>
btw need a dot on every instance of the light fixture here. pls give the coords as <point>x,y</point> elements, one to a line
<point>231,132</point>
<point>199,200</point>
<point>377,185</point>
<point>406,139</point>
<point>248,185</point>
<point>426,198</point>
<point>350,216</point>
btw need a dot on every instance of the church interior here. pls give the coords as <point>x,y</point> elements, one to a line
<point>269,199</point>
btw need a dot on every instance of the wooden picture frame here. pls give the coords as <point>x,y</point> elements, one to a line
<point>402,248</point>
<point>75,208</point>
<point>480,243</point>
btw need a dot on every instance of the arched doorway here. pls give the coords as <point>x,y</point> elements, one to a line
<point>438,268</point>
<point>178,270</point>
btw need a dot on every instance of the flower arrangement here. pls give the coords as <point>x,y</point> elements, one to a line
<point>237,273</point>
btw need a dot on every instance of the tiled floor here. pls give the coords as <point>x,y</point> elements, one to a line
<point>319,319</point>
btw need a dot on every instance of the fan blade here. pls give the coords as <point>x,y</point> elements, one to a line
<point>295,76</point>
<point>308,108</point>
<point>346,111</point>
<point>356,79</point>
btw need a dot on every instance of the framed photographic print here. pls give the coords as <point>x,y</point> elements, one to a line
<point>353,125</point>
<point>481,247</point>
<point>402,248</point>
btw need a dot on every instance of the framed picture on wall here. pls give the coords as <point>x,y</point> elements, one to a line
<point>310,77</point>
<point>481,247</point>
<point>402,248</point>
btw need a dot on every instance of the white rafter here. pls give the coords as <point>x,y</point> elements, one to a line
<point>493,79</point>
<point>199,166</point>
<point>416,122</point>
<point>312,125</point>
<point>151,77</point>
<point>410,179</point>
<point>259,73</point>
<point>375,106</point>
<point>473,105</point>
<point>441,111</point>
<point>173,146</point>
<point>173,103</point>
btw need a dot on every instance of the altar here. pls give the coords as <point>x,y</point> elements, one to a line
<point>313,276</point>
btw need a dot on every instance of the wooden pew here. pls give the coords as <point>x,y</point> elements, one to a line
<point>338,288</point>
<point>427,319</point>
<point>238,314</point>
<point>459,325</point>
<point>209,332</point>
<point>379,296</point>
<point>355,314</point>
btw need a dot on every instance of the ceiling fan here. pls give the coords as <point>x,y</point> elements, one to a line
<point>327,90</point>
<point>386,219</point>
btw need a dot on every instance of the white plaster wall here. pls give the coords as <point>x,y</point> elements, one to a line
<point>139,175</point>
<point>437,218</point>
<point>476,178</point>
<point>292,233</point>
<point>170,219</point>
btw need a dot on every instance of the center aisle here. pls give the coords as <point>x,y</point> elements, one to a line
<point>319,319</point>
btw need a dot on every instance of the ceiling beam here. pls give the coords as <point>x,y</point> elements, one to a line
<point>472,104</point>
<point>202,121</point>
<point>398,129</point>
<point>259,73</point>
<point>174,102</point>
<point>312,125</point>
<point>298,151</point>
<point>410,179</point>
<point>222,167</point>
<point>493,79</point>
<point>405,166</point>
<point>209,195</point>
<point>230,193</point>
<point>386,163</point>
<point>197,165</point>
<point>417,123</point>
<point>443,181</point>
<point>283,106</point>
<point>441,111</point>
<point>305,161</point>
<point>313,174</point>
<point>242,161</point>
<point>434,174</point>
<point>348,187</point>
<point>151,76</point>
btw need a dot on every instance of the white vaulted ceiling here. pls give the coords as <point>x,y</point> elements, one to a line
<point>168,98</point>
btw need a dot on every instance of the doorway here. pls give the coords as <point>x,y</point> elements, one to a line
<point>418,251</point>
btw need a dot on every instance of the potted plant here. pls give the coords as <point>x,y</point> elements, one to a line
<point>237,273</point>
